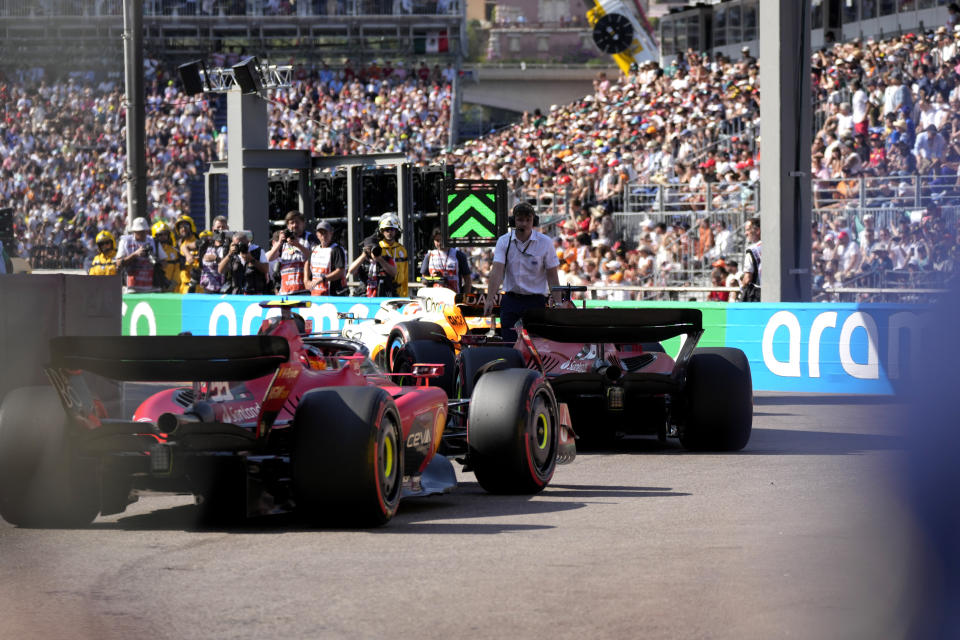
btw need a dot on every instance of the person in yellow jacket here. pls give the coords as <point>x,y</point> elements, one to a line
<point>105,263</point>
<point>186,232</point>
<point>167,255</point>
<point>388,232</point>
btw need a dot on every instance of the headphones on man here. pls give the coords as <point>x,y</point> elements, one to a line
<point>523,207</point>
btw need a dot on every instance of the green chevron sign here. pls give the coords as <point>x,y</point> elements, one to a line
<point>476,213</point>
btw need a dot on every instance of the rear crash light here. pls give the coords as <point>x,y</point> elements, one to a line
<point>615,398</point>
<point>160,460</point>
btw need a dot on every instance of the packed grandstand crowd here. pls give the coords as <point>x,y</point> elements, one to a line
<point>887,111</point>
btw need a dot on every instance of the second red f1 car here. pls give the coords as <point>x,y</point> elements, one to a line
<point>609,369</point>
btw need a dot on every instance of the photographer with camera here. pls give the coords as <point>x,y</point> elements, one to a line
<point>376,268</point>
<point>388,235</point>
<point>211,280</point>
<point>185,231</point>
<point>243,267</point>
<point>325,273</point>
<point>448,264</point>
<point>136,257</point>
<point>292,250</point>
<point>166,275</point>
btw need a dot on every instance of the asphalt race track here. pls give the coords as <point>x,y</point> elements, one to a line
<point>799,536</point>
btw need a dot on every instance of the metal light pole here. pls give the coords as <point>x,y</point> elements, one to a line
<point>133,74</point>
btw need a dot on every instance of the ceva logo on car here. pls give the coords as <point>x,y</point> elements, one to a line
<point>849,350</point>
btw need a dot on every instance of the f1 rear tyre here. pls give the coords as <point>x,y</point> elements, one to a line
<point>347,462</point>
<point>426,352</point>
<point>513,432</point>
<point>43,483</point>
<point>472,359</point>
<point>719,401</point>
<point>405,332</point>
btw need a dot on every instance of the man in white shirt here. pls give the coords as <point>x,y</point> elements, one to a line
<point>844,120</point>
<point>722,241</point>
<point>136,255</point>
<point>859,111</point>
<point>929,149</point>
<point>849,253</point>
<point>525,262</point>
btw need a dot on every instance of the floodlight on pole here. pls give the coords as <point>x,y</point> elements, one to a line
<point>250,75</point>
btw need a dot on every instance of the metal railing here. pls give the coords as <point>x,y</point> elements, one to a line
<point>887,191</point>
<point>890,285</point>
<point>227,8</point>
<point>740,199</point>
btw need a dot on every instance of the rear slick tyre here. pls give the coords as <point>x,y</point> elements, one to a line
<point>405,332</point>
<point>426,352</point>
<point>719,401</point>
<point>472,359</point>
<point>42,482</point>
<point>347,462</point>
<point>513,432</point>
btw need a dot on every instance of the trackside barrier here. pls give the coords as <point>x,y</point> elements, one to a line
<point>792,347</point>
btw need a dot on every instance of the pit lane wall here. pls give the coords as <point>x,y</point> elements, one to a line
<point>792,347</point>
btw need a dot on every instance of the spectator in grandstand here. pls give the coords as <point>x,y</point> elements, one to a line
<point>718,278</point>
<point>930,149</point>
<point>602,229</point>
<point>325,273</point>
<point>848,254</point>
<point>953,16</point>
<point>705,240</point>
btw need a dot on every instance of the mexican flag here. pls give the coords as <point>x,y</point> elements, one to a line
<point>431,42</point>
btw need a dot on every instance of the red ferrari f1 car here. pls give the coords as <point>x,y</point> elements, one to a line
<point>609,369</point>
<point>275,422</point>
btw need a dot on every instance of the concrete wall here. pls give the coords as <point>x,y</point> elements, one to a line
<point>524,89</point>
<point>35,308</point>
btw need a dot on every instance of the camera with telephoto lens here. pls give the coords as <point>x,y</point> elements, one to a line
<point>287,234</point>
<point>220,237</point>
<point>242,247</point>
<point>377,251</point>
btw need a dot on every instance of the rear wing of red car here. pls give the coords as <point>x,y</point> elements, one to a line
<point>171,358</point>
<point>624,326</point>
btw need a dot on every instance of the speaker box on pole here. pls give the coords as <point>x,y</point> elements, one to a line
<point>190,77</point>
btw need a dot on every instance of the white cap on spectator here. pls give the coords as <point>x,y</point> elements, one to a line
<point>139,224</point>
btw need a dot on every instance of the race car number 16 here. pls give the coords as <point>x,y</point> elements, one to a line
<point>219,391</point>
